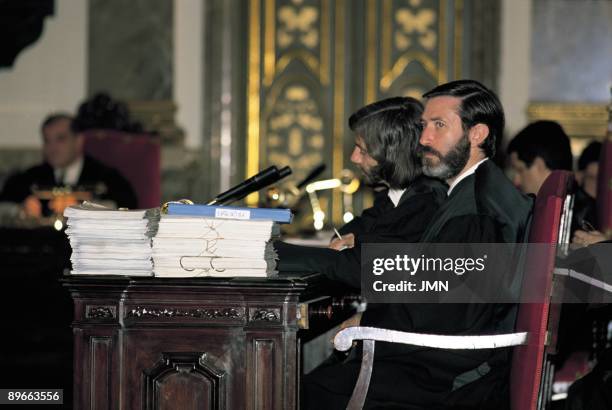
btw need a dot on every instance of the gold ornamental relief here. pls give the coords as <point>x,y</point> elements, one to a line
<point>416,35</point>
<point>418,24</point>
<point>414,92</point>
<point>296,31</point>
<point>298,25</point>
<point>295,131</point>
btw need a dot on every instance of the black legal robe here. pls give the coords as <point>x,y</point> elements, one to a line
<point>382,223</point>
<point>105,182</point>
<point>482,208</point>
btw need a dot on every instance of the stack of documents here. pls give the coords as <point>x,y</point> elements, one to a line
<point>200,240</point>
<point>111,242</point>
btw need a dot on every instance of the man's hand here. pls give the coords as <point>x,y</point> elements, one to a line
<point>32,208</point>
<point>585,238</point>
<point>347,241</point>
<point>61,202</point>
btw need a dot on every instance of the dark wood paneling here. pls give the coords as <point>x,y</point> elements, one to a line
<point>184,343</point>
<point>100,362</point>
<point>264,365</point>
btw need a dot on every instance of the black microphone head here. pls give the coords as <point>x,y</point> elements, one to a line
<point>247,186</point>
<point>312,175</point>
<point>284,171</point>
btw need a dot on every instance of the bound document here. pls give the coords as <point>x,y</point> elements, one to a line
<point>231,212</point>
<point>191,246</point>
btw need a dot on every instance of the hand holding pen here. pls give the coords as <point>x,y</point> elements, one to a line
<point>342,242</point>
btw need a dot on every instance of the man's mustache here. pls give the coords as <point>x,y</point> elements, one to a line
<point>423,149</point>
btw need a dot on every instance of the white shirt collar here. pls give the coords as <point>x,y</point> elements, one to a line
<point>395,195</point>
<point>465,174</point>
<point>71,173</point>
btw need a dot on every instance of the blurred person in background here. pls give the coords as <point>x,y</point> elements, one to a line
<point>65,165</point>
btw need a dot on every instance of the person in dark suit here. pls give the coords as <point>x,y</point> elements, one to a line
<point>460,123</point>
<point>65,165</point>
<point>386,138</point>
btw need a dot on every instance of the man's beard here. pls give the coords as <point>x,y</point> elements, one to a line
<point>370,177</point>
<point>449,165</point>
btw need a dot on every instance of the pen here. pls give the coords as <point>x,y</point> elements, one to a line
<point>337,234</point>
<point>584,224</point>
<point>339,237</point>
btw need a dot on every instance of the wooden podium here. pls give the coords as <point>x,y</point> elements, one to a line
<point>190,343</point>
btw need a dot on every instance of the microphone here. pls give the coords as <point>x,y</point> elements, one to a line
<point>282,173</point>
<point>312,175</point>
<point>266,177</point>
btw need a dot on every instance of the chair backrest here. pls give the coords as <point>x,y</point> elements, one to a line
<point>604,188</point>
<point>550,224</point>
<point>136,156</point>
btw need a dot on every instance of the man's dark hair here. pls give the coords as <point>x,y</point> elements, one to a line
<point>590,154</point>
<point>479,105</point>
<point>544,139</point>
<point>52,118</point>
<point>391,130</point>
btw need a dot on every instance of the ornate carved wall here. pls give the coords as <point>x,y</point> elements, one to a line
<point>311,63</point>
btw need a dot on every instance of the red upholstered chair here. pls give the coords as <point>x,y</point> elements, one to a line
<point>530,384</point>
<point>136,156</point>
<point>531,374</point>
<point>604,188</point>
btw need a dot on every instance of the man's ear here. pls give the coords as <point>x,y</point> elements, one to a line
<point>80,141</point>
<point>478,133</point>
<point>539,165</point>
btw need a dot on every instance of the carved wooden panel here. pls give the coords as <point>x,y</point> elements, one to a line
<point>261,315</point>
<point>100,365</point>
<point>102,312</point>
<point>263,351</point>
<point>186,314</point>
<point>186,381</point>
<point>188,343</point>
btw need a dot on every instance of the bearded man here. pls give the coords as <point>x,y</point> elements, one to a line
<point>386,139</point>
<point>461,121</point>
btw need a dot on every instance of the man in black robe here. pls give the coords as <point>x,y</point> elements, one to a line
<point>461,121</point>
<point>386,140</point>
<point>65,166</point>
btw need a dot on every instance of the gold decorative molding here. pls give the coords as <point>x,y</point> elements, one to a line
<point>269,42</point>
<point>253,90</point>
<point>324,44</point>
<point>386,36</point>
<point>458,38</point>
<point>400,65</point>
<point>582,120</point>
<point>339,92</point>
<point>442,74</point>
<point>372,52</point>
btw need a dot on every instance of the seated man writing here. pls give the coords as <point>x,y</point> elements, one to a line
<point>386,139</point>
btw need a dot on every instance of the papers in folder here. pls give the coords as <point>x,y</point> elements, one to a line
<point>110,242</point>
<point>141,243</point>
<point>188,246</point>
